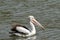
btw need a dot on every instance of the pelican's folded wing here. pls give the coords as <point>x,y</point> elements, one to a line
<point>23,30</point>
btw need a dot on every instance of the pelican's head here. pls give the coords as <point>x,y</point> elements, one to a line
<point>31,17</point>
<point>34,21</point>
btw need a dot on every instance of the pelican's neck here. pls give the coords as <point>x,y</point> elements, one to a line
<point>33,31</point>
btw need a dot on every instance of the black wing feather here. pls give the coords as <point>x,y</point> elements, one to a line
<point>16,31</point>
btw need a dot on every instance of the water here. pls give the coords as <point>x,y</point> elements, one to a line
<point>47,12</point>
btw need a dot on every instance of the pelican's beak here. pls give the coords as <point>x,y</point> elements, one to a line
<point>37,23</point>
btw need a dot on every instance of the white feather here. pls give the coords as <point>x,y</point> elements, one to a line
<point>21,29</point>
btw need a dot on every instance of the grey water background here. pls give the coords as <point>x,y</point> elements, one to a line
<point>47,12</point>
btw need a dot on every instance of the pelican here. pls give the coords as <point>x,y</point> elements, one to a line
<point>23,31</point>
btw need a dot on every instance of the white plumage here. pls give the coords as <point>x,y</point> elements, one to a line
<point>21,29</point>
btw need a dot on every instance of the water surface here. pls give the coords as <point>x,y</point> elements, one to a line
<point>47,12</point>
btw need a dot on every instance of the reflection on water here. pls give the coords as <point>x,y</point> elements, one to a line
<point>29,38</point>
<point>47,12</point>
<point>21,38</point>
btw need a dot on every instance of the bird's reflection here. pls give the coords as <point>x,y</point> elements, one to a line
<point>24,38</point>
